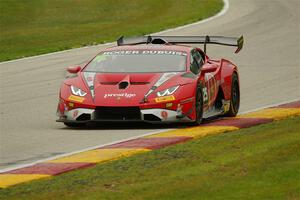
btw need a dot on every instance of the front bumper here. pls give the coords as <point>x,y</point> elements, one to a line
<point>155,115</point>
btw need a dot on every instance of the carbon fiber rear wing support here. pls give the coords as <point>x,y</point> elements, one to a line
<point>220,40</point>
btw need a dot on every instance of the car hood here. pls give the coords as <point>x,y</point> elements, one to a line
<point>126,89</point>
<point>122,89</point>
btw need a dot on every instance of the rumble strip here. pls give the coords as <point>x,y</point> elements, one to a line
<point>144,144</point>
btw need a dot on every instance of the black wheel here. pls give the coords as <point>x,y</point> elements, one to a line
<point>74,125</point>
<point>199,105</point>
<point>235,97</point>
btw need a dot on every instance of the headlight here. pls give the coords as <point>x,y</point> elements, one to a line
<point>78,92</point>
<point>168,91</point>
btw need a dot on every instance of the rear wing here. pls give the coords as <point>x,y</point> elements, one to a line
<point>221,40</point>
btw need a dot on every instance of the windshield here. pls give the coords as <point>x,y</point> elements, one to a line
<point>138,61</point>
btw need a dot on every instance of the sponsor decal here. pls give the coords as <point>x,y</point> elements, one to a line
<point>179,110</point>
<point>169,105</point>
<point>76,98</point>
<point>211,85</point>
<point>71,104</point>
<point>164,99</point>
<point>75,113</point>
<point>164,114</point>
<point>125,95</point>
<point>145,52</point>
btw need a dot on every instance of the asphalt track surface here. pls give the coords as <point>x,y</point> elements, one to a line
<point>269,68</point>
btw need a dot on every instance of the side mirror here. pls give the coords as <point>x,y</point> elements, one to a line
<point>74,70</point>
<point>209,69</point>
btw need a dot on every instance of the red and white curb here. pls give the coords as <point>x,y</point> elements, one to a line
<point>145,143</point>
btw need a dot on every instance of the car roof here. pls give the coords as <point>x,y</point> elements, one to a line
<point>161,47</point>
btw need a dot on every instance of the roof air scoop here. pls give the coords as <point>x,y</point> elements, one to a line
<point>123,85</point>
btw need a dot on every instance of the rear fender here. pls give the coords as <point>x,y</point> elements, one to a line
<point>228,68</point>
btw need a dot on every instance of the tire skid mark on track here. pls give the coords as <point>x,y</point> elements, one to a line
<point>131,147</point>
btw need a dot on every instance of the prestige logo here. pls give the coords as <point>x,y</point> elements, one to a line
<point>126,95</point>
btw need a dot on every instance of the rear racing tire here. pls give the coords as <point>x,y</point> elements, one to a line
<point>235,97</point>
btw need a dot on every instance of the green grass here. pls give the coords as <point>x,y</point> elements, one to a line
<point>40,26</point>
<point>261,162</point>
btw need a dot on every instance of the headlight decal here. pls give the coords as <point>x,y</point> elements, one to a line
<point>168,91</point>
<point>78,92</point>
<point>161,80</point>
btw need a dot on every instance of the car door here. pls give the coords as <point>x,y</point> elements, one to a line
<point>209,84</point>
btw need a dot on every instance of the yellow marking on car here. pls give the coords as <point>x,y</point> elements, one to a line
<point>76,98</point>
<point>7,180</point>
<point>71,104</point>
<point>168,105</point>
<point>164,99</point>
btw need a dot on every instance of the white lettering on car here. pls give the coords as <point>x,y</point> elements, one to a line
<point>145,52</point>
<point>126,95</point>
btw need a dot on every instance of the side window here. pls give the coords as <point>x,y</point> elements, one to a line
<point>196,61</point>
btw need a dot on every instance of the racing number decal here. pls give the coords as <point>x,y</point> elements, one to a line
<point>205,95</point>
<point>211,87</point>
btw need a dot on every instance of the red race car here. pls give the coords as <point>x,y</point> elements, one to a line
<point>152,79</point>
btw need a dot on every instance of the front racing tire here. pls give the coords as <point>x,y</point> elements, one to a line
<point>198,105</point>
<point>235,97</point>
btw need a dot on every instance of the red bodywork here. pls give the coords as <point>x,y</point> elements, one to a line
<point>215,79</point>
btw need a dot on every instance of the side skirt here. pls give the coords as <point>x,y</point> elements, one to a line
<point>213,111</point>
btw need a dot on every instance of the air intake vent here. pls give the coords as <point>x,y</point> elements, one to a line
<point>118,113</point>
<point>108,83</point>
<point>151,117</point>
<point>84,117</point>
<point>131,83</point>
<point>139,83</point>
<point>123,85</point>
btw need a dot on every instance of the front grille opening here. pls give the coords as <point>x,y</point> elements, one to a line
<point>151,117</point>
<point>84,117</point>
<point>118,113</point>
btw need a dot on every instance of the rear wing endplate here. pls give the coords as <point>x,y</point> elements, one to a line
<point>220,40</point>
